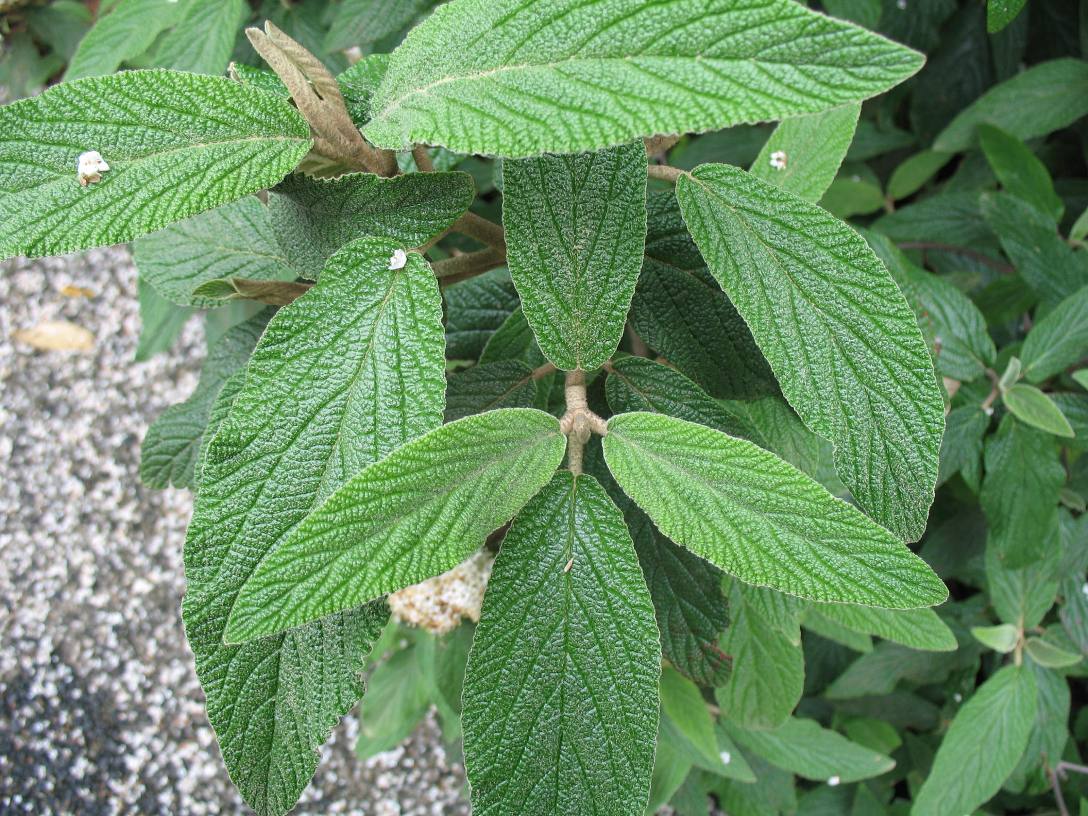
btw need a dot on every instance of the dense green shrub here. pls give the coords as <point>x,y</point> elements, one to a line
<point>744,446</point>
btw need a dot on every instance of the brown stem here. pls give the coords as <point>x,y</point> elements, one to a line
<point>540,372</point>
<point>656,145</point>
<point>1055,785</point>
<point>461,267</point>
<point>981,257</point>
<point>423,159</point>
<point>483,230</point>
<point>664,172</point>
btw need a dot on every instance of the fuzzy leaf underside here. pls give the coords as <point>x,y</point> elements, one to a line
<point>176,144</point>
<point>325,395</point>
<point>417,513</point>
<point>523,77</point>
<point>842,341</point>
<point>313,217</point>
<point>760,519</point>
<point>561,690</point>
<point>233,241</point>
<point>575,231</point>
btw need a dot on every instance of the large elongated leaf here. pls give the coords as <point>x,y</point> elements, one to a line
<point>917,628</point>
<point>323,397</point>
<point>838,334</point>
<point>998,718</point>
<point>518,78</point>
<point>804,153</point>
<point>575,231</point>
<point>177,144</point>
<point>681,312</point>
<point>315,217</point>
<point>807,749</point>
<point>203,39</point>
<point>768,668</point>
<point>1020,493</point>
<point>758,518</point>
<point>417,513</point>
<point>1035,102</point>
<point>560,699</point>
<point>638,384</point>
<point>170,451</point>
<point>127,31</point>
<point>688,603</point>
<point>1030,239</point>
<point>1058,340</point>
<point>234,241</point>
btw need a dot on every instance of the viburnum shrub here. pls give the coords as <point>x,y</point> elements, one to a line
<point>688,406</point>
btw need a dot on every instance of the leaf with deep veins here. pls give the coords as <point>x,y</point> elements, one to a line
<point>836,330</point>
<point>342,376</point>
<point>415,514</point>
<point>759,518</point>
<point>524,77</point>
<point>575,230</point>
<point>176,144</point>
<point>560,699</point>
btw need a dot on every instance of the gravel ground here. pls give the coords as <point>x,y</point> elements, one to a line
<point>100,710</point>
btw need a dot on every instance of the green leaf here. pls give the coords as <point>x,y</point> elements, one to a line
<point>916,628</point>
<point>1022,596</point>
<point>1058,340</point>
<point>804,153</point>
<point>127,31</point>
<point>768,670</point>
<point>855,191</point>
<point>1019,171</point>
<point>161,322</point>
<point>236,240</point>
<point>680,311</point>
<point>961,448</point>
<point>825,627</point>
<point>1020,492</point>
<point>397,699</point>
<point>682,701</point>
<point>364,22</point>
<point>877,673</point>
<point>912,174</point>
<point>575,231</point>
<point>982,747</point>
<point>1049,733</point>
<point>805,748</point>
<point>639,384</point>
<point>415,514</point>
<point>836,331</point>
<point>614,71</point>
<point>360,82</point>
<point>215,141</point>
<point>475,308</point>
<point>945,218</point>
<point>1050,656</point>
<point>232,387</point>
<point>170,450</point>
<point>1001,638</point>
<point>560,699</point>
<point>1035,102</point>
<point>688,603</point>
<point>502,384</point>
<point>781,611</point>
<point>203,39</point>
<point>760,519</point>
<point>1028,404</point>
<point>314,217</point>
<point>999,13</point>
<point>513,340</point>
<point>291,439</point>
<point>944,312</point>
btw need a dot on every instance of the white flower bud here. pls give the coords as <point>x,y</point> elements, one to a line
<point>398,259</point>
<point>90,167</point>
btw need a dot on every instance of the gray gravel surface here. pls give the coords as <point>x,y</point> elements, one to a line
<point>100,709</point>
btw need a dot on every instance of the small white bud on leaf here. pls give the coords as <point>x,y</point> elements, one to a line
<point>398,259</point>
<point>833,781</point>
<point>779,159</point>
<point>90,167</point>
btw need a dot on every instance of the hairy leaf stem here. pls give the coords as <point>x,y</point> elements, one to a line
<point>664,172</point>
<point>579,422</point>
